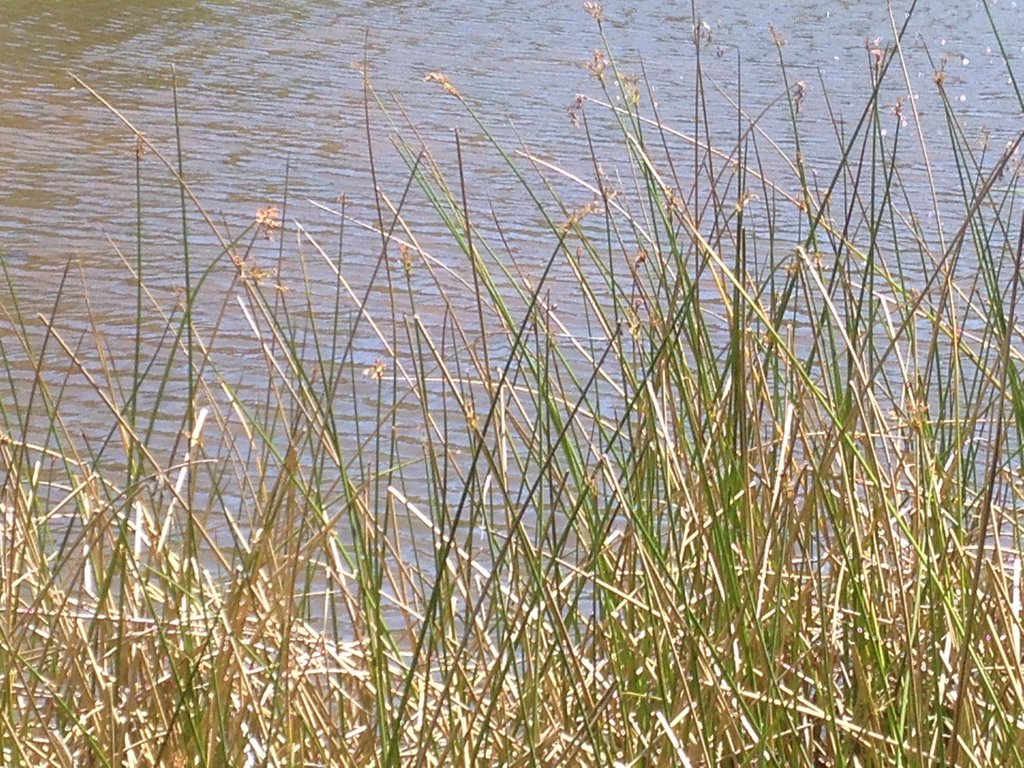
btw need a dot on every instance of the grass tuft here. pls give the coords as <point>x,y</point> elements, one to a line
<point>725,469</point>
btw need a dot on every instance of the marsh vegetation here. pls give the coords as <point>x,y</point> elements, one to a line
<point>756,503</point>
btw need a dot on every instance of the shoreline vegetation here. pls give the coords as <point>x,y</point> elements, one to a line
<point>757,504</point>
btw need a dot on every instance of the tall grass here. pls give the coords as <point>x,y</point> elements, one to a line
<point>751,499</point>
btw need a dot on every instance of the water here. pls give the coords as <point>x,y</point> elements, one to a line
<point>266,91</point>
<point>259,84</point>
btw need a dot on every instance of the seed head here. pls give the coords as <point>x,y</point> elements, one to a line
<point>437,77</point>
<point>376,371</point>
<point>268,220</point>
<point>598,65</point>
<point>799,95</point>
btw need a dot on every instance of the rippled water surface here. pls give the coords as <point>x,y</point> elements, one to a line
<point>265,87</point>
<point>257,84</point>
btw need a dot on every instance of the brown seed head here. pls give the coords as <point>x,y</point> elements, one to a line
<point>268,220</point>
<point>376,371</point>
<point>744,198</point>
<point>598,65</point>
<point>437,77</point>
<point>874,47</point>
<point>800,93</point>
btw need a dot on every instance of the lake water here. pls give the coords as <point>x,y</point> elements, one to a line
<point>267,87</point>
<point>258,84</point>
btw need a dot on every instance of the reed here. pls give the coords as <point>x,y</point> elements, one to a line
<point>751,500</point>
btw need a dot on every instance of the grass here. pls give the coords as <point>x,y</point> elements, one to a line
<point>751,499</point>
